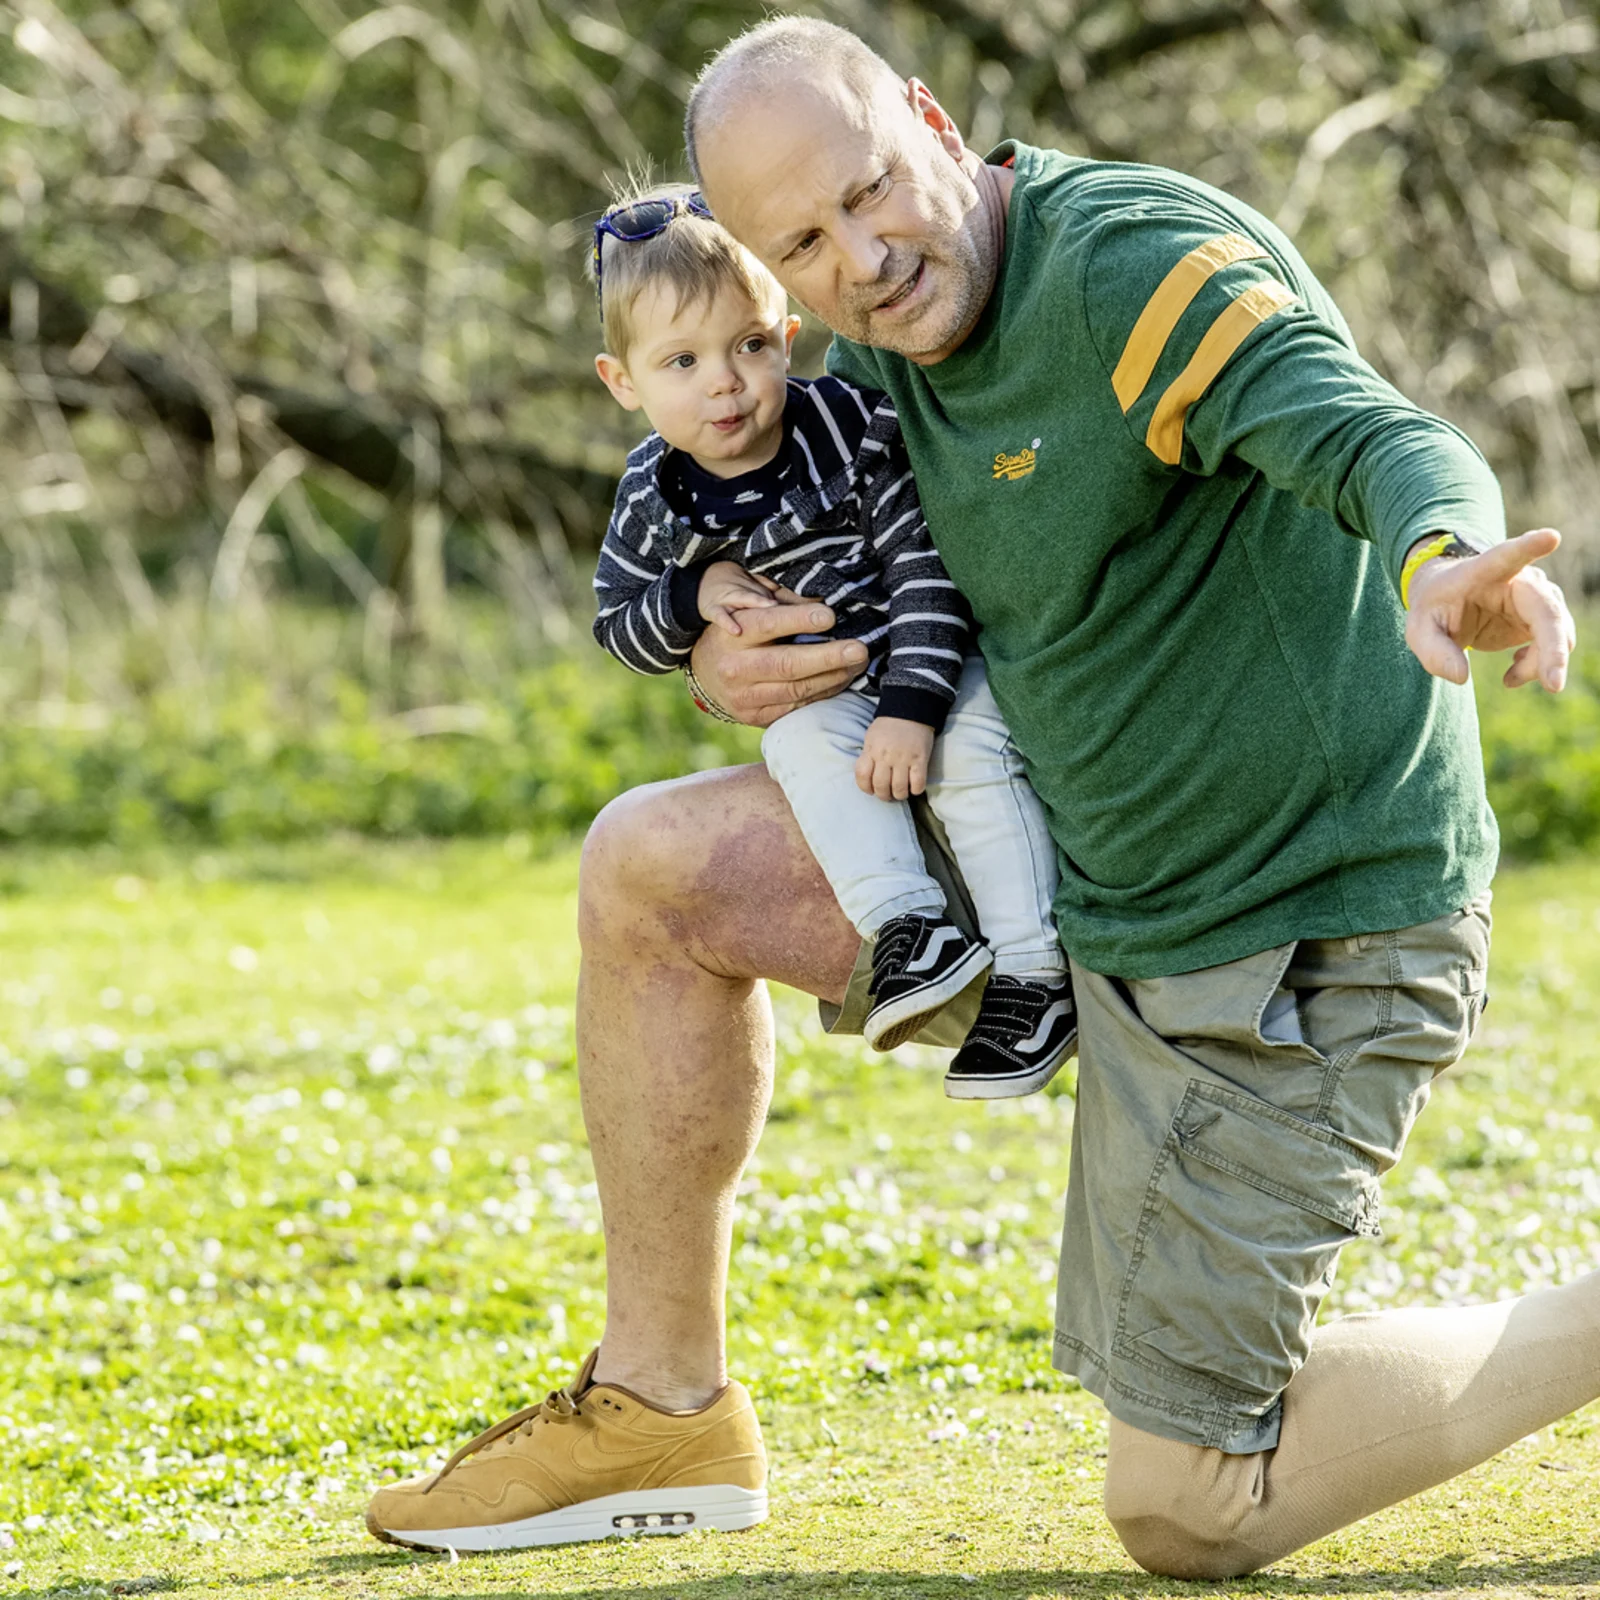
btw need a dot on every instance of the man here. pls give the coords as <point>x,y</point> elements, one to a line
<point>1182,508</point>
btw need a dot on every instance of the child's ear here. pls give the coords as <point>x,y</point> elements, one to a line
<point>615,377</point>
<point>791,326</point>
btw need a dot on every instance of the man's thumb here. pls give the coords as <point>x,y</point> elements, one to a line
<point>1432,645</point>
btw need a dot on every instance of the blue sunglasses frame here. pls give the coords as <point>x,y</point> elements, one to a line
<point>637,220</point>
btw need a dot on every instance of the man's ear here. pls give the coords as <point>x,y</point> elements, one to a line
<point>926,109</point>
<point>791,326</point>
<point>615,377</point>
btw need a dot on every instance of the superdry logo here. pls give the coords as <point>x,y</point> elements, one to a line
<point>1019,465</point>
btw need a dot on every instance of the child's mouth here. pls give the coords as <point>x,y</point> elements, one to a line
<point>727,424</point>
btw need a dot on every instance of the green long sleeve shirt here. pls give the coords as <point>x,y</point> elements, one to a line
<point>1179,501</point>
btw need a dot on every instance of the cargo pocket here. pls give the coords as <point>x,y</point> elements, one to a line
<point>1246,1212</point>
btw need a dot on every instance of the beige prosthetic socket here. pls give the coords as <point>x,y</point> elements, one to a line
<point>1385,1406</point>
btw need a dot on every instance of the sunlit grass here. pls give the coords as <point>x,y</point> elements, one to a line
<point>296,1196</point>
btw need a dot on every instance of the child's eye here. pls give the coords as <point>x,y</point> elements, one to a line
<point>681,363</point>
<point>754,345</point>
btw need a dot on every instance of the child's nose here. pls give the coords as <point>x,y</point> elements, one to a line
<point>724,379</point>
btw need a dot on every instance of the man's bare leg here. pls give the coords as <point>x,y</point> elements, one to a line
<point>691,893</point>
<point>1387,1405</point>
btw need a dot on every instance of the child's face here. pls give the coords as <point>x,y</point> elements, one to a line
<point>709,375</point>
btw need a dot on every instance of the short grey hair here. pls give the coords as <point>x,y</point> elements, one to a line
<point>779,50</point>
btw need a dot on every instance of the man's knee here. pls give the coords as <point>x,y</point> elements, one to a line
<point>634,858</point>
<point>1179,1510</point>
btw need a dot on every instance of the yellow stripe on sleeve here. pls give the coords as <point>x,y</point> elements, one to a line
<point>1223,337</point>
<point>1167,304</point>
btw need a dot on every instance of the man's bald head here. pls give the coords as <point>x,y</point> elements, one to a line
<point>782,52</point>
<point>850,184</point>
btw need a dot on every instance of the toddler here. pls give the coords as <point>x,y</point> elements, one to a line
<point>754,484</point>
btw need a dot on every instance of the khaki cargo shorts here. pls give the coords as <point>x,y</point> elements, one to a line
<point>1231,1129</point>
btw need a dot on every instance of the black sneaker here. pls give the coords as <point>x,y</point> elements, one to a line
<point>919,964</point>
<point>1024,1032</point>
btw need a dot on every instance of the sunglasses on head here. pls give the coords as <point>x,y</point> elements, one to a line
<point>639,220</point>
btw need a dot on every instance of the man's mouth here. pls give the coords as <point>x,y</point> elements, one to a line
<point>903,291</point>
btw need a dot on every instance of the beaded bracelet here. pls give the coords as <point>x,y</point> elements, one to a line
<point>1447,545</point>
<point>703,700</point>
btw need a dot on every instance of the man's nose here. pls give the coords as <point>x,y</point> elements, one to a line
<point>861,252</point>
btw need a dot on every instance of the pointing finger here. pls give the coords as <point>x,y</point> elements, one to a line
<point>1505,560</point>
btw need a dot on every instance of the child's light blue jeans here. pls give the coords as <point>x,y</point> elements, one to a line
<point>868,847</point>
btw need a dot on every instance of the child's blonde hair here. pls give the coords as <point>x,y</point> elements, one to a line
<point>693,255</point>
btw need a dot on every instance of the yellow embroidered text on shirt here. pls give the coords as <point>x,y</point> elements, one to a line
<point>1014,467</point>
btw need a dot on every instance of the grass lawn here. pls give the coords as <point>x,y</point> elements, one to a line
<point>295,1196</point>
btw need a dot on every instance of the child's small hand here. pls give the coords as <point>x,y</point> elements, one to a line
<point>725,587</point>
<point>894,758</point>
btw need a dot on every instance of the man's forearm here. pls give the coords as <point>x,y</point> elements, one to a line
<point>1419,480</point>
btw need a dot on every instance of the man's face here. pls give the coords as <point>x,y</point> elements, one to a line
<point>861,207</point>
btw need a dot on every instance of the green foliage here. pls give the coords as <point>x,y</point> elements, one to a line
<point>1542,757</point>
<point>297,739</point>
<point>540,758</point>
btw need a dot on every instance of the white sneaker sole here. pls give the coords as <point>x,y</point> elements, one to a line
<point>1014,1085</point>
<point>891,1025</point>
<point>612,1516</point>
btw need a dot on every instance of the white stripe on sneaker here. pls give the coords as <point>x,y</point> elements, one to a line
<point>939,939</point>
<point>1060,1009</point>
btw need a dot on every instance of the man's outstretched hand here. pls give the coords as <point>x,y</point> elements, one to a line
<point>756,680</point>
<point>1493,601</point>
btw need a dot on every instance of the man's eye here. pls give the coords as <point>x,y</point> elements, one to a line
<point>804,247</point>
<point>874,190</point>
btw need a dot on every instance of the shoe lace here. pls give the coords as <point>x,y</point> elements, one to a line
<point>895,945</point>
<point>560,1406</point>
<point>1010,1009</point>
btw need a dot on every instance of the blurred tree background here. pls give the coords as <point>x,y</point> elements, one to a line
<point>297,413</point>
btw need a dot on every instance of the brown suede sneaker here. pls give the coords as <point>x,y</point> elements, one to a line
<point>593,1461</point>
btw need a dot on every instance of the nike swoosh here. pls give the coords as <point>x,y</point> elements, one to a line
<point>1041,1033</point>
<point>597,1453</point>
<point>937,943</point>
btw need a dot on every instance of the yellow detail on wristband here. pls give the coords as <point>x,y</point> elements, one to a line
<point>1423,553</point>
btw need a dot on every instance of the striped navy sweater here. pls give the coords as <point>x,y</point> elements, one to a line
<point>848,532</point>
